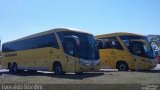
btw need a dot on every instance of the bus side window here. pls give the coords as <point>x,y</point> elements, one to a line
<point>100,44</point>
<point>108,44</point>
<point>118,45</point>
<point>113,43</point>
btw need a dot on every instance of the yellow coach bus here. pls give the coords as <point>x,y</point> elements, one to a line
<point>60,50</point>
<point>125,51</point>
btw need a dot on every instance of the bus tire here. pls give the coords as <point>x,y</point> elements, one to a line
<point>10,67</point>
<point>15,68</point>
<point>122,66</point>
<point>57,69</point>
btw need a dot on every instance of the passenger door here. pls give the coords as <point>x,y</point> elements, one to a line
<point>114,52</point>
<point>106,56</point>
<point>70,50</point>
<point>138,54</point>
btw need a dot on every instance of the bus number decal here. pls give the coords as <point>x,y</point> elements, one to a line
<point>10,55</point>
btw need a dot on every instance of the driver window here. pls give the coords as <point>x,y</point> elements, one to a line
<point>136,49</point>
<point>69,48</point>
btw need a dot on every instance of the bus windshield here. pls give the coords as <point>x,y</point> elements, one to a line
<point>138,48</point>
<point>87,49</point>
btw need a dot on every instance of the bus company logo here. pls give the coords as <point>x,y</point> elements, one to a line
<point>10,55</point>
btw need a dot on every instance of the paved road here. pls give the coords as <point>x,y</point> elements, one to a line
<point>110,76</point>
<point>157,68</point>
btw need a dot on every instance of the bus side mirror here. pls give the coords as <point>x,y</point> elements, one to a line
<point>77,42</point>
<point>99,44</point>
<point>75,39</point>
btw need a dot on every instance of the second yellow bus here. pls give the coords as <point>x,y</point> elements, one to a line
<point>125,51</point>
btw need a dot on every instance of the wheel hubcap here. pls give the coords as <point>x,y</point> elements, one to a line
<point>10,67</point>
<point>58,70</point>
<point>122,67</point>
<point>15,69</point>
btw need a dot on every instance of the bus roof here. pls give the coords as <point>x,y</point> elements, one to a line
<point>48,32</point>
<point>117,33</point>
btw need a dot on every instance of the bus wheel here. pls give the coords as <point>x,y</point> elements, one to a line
<point>15,68</point>
<point>122,66</point>
<point>57,69</point>
<point>10,68</point>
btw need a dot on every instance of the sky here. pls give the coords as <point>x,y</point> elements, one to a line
<point>19,18</point>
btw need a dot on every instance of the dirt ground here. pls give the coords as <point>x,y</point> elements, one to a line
<point>105,77</point>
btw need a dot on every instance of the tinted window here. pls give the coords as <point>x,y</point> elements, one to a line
<point>86,50</point>
<point>132,37</point>
<point>82,50</point>
<point>137,48</point>
<point>32,43</point>
<point>112,42</point>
